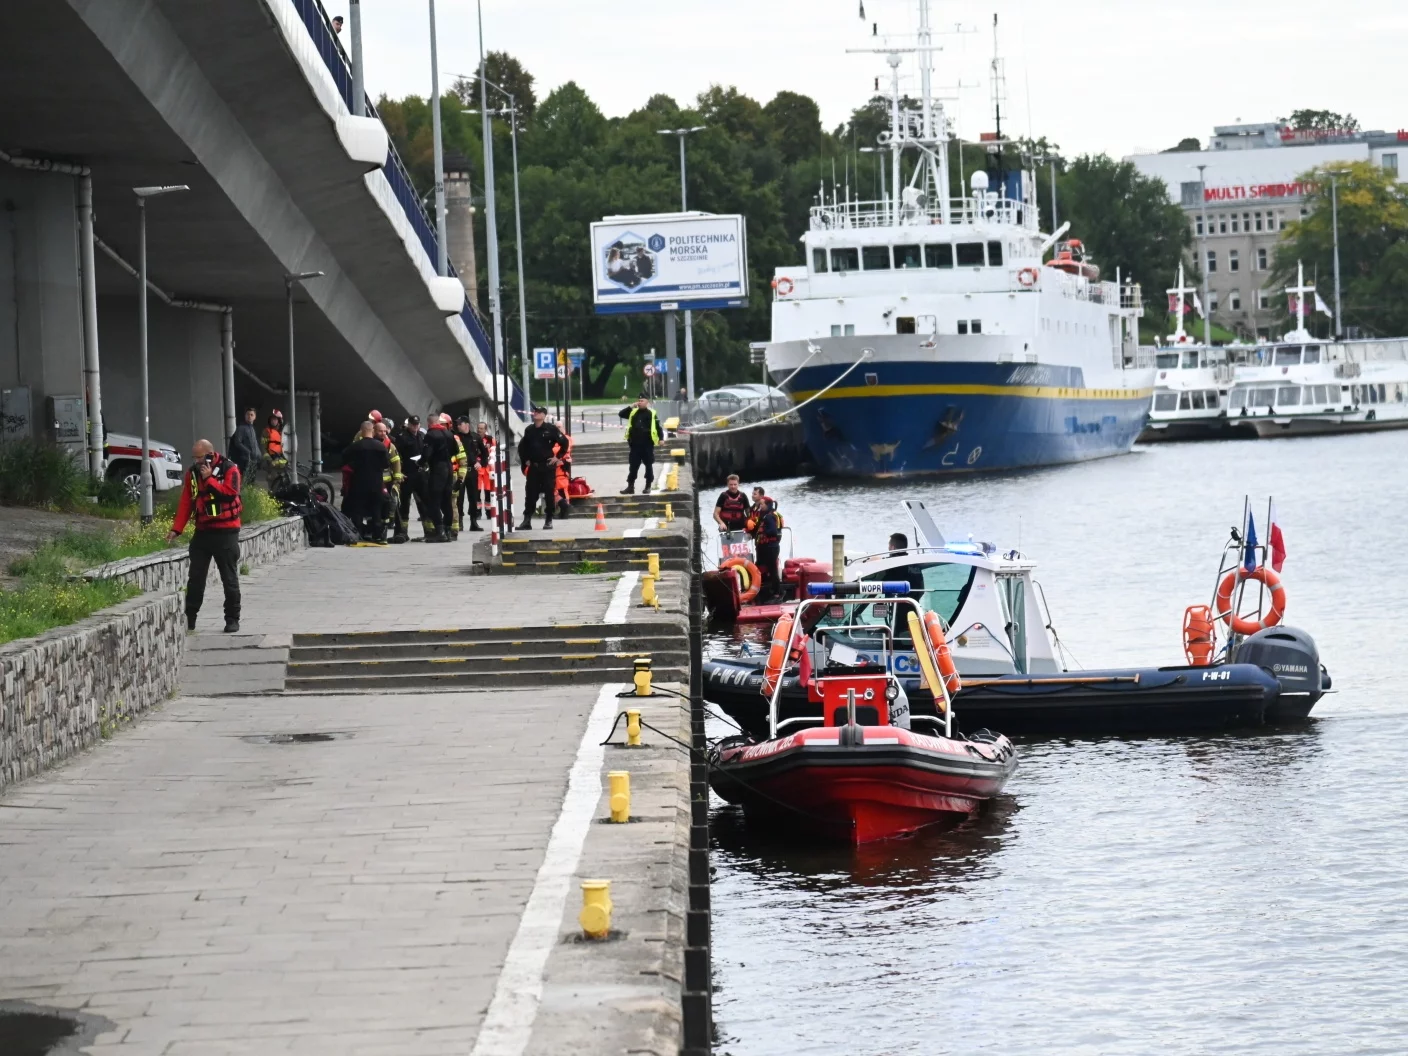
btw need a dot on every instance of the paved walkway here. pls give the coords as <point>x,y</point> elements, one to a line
<point>206,887</point>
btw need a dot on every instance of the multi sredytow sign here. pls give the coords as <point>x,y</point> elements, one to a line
<point>665,261</point>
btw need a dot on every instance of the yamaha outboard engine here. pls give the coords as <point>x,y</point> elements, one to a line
<point>1291,657</point>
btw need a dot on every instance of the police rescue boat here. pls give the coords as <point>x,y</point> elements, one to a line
<point>1242,668</point>
<point>862,767</point>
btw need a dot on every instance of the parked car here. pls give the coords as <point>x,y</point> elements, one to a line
<point>755,400</point>
<point>122,461</point>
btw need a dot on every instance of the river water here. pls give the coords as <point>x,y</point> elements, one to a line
<point>1241,893</point>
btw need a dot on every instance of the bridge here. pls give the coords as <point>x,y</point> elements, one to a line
<point>250,106</point>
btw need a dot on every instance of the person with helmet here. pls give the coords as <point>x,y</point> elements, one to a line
<point>484,470</point>
<point>439,459</point>
<point>410,442</point>
<point>537,454</point>
<point>765,525</point>
<point>272,441</point>
<point>562,484</point>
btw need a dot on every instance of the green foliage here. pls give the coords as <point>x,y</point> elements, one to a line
<point>1322,121</point>
<point>258,505</point>
<point>1187,145</point>
<point>1373,220</point>
<point>588,568</point>
<point>502,69</point>
<point>39,474</point>
<point>50,596</point>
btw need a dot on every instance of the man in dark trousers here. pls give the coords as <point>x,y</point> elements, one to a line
<point>369,463</point>
<point>409,441</point>
<point>766,525</point>
<point>211,493</point>
<point>537,453</point>
<point>642,434</point>
<point>244,445</point>
<point>475,455</point>
<point>440,451</point>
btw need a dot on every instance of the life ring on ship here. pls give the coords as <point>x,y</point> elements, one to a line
<point>1028,276</point>
<point>1240,624</point>
<point>1198,639</point>
<point>777,654</point>
<point>752,579</point>
<point>948,670</point>
<point>783,286</point>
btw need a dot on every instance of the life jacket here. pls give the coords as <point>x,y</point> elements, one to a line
<point>758,526</point>
<point>564,466</point>
<point>273,442</point>
<point>733,509</point>
<point>212,508</point>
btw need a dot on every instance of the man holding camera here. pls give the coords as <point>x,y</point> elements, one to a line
<point>211,493</point>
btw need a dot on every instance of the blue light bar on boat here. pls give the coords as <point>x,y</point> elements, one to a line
<point>864,589</point>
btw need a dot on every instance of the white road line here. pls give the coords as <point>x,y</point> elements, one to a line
<point>636,533</point>
<point>620,605</point>
<point>508,1026</point>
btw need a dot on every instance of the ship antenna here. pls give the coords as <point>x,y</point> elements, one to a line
<point>999,96</point>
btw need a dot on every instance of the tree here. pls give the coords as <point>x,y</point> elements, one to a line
<point>1373,228</point>
<point>1322,121</point>
<point>1187,145</point>
<point>796,126</point>
<point>502,69</point>
<point>1126,220</point>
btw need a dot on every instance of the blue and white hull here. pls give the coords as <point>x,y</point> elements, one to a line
<point>935,414</point>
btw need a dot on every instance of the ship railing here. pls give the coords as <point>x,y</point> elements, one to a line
<point>985,209</point>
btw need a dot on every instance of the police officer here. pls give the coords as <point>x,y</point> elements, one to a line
<point>439,458</point>
<point>537,454</point>
<point>642,434</point>
<point>410,442</point>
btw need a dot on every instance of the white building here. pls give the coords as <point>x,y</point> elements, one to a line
<point>1250,190</point>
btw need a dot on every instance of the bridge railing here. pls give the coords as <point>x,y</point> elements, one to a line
<point>325,39</point>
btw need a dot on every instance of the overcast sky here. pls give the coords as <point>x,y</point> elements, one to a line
<point>1118,76</point>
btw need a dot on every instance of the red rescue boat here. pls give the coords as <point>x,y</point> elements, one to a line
<point>862,771</point>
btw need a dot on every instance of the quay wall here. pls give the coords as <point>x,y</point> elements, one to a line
<point>778,449</point>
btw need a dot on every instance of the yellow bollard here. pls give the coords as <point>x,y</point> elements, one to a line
<point>620,795</point>
<point>642,678</point>
<point>652,565</point>
<point>632,728</point>
<point>672,479</point>
<point>669,512</point>
<point>647,592</point>
<point>595,917</point>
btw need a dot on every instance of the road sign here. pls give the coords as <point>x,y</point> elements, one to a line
<point>542,363</point>
<point>661,367</point>
<point>562,372</point>
<point>650,370</point>
<point>576,356</point>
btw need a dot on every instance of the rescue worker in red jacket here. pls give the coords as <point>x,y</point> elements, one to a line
<point>211,493</point>
<point>562,490</point>
<point>484,470</point>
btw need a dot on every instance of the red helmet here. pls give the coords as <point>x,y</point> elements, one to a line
<point>276,413</point>
<point>374,416</point>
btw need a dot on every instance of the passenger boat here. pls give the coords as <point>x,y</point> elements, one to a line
<point>924,334</point>
<point>1008,654</point>
<point>862,768</point>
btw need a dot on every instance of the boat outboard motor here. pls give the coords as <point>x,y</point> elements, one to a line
<point>1294,661</point>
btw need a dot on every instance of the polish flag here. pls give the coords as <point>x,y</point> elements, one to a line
<point>1276,541</point>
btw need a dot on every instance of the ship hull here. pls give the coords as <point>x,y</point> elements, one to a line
<point>927,418</point>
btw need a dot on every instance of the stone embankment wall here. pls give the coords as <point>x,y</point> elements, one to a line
<point>63,691</point>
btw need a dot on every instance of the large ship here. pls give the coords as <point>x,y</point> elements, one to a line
<point>926,333</point>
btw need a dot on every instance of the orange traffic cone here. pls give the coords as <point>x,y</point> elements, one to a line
<point>600,517</point>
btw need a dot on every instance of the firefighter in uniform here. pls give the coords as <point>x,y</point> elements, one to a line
<point>271,439</point>
<point>536,453</point>
<point>211,491</point>
<point>562,483</point>
<point>393,479</point>
<point>439,458</point>
<point>765,525</point>
<point>484,470</point>
<point>469,490</point>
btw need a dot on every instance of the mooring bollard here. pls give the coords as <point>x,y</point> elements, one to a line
<point>642,680</point>
<point>652,565</point>
<point>632,728</point>
<point>620,782</point>
<point>647,592</point>
<point>595,917</point>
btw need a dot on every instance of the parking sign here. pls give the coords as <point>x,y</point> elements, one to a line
<point>544,362</point>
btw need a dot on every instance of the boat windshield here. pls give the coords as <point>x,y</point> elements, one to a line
<point>941,588</point>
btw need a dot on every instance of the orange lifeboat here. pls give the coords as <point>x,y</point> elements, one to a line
<point>1070,257</point>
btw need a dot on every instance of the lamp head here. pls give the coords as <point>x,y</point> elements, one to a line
<point>152,192</point>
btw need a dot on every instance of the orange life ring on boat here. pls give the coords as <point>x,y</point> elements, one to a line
<point>1198,639</point>
<point>934,627</point>
<point>748,573</point>
<point>777,654</point>
<point>1240,624</point>
<point>1028,276</point>
<point>784,286</point>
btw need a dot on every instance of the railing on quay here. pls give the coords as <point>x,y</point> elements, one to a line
<point>984,209</point>
<point>325,39</point>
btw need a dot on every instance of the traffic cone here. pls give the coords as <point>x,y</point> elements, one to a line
<point>600,517</point>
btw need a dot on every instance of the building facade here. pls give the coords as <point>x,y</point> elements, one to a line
<point>1241,192</point>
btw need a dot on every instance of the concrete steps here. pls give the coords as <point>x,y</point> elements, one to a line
<point>402,661</point>
<point>611,553</point>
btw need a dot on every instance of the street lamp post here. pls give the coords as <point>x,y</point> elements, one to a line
<point>143,193</point>
<point>688,315</point>
<point>289,281</point>
<point>1335,223</point>
<point>1203,249</point>
<point>441,257</point>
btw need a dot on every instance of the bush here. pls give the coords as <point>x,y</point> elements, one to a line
<point>37,474</point>
<point>259,505</point>
<point>49,594</point>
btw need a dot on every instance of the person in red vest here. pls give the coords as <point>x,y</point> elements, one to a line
<point>211,493</point>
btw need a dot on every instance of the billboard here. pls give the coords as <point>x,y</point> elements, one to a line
<point>665,261</point>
